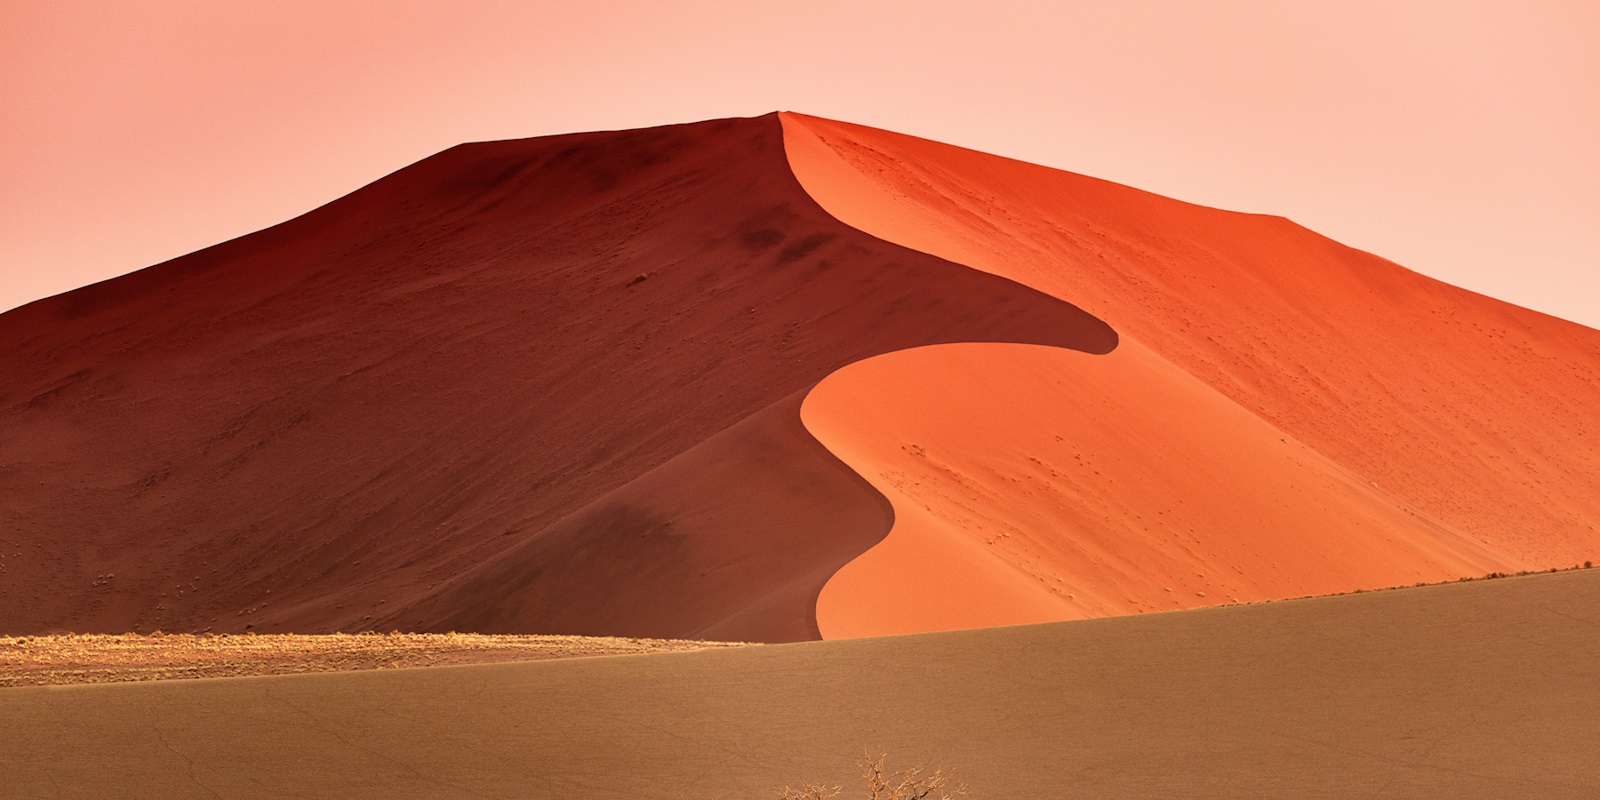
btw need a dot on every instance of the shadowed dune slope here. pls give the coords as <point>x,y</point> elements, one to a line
<point>1482,689</point>
<point>419,405</point>
<point>1313,399</point>
<point>728,540</point>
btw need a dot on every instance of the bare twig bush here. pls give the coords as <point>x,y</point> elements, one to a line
<point>811,791</point>
<point>917,783</point>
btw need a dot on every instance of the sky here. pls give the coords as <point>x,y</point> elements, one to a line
<point>1457,138</point>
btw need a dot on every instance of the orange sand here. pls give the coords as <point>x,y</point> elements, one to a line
<point>1283,415</point>
<point>1033,484</point>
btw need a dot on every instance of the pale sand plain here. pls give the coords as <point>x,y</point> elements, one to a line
<point>1484,689</point>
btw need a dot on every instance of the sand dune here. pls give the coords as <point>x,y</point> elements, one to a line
<point>413,406</point>
<point>1481,689</point>
<point>779,379</point>
<point>769,379</point>
<point>1284,415</point>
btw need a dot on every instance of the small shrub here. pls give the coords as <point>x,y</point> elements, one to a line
<point>810,791</point>
<point>916,783</point>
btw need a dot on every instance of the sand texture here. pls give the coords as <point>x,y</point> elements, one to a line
<point>1484,689</point>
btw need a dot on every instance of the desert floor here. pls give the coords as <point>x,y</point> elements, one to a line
<point>1473,689</point>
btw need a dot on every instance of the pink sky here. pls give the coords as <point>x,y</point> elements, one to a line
<point>1457,138</point>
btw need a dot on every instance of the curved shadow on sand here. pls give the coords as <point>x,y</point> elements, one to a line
<point>735,538</point>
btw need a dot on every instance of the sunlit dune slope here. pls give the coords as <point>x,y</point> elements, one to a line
<point>1482,689</point>
<point>1284,415</point>
<point>511,387</point>
<point>1032,484</point>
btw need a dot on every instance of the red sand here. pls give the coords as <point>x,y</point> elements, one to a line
<point>1284,415</point>
<point>558,385</point>
<point>510,388</point>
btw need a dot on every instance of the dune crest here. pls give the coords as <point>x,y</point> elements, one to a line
<point>530,386</point>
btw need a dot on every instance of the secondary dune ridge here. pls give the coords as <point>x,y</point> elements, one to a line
<point>533,386</point>
<point>1283,415</point>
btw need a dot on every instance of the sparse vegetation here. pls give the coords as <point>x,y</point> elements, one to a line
<point>99,658</point>
<point>917,783</point>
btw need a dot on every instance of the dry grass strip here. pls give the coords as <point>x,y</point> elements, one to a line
<point>108,658</point>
